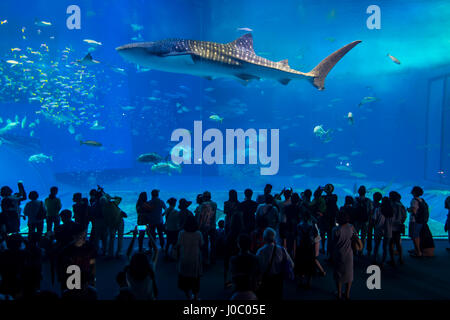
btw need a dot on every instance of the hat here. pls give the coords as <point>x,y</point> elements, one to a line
<point>183,203</point>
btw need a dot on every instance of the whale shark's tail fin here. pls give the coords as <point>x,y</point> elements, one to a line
<point>320,72</point>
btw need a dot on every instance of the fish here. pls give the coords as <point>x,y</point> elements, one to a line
<point>358,175</point>
<point>138,38</point>
<point>393,59</point>
<point>128,108</point>
<point>150,158</point>
<point>140,70</point>
<point>3,22</point>
<point>309,165</point>
<point>331,155</point>
<point>12,62</point>
<point>96,126</point>
<point>216,118</point>
<point>23,123</point>
<point>136,27</point>
<point>245,29</point>
<point>367,100</point>
<point>120,151</point>
<point>90,143</point>
<point>325,136</point>
<point>166,167</point>
<point>42,23</point>
<point>344,168</point>
<point>88,60</point>
<point>377,162</point>
<point>40,158</point>
<point>350,118</point>
<point>119,70</point>
<point>10,125</point>
<point>92,42</point>
<point>236,60</point>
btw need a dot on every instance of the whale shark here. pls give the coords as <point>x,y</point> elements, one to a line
<point>236,59</point>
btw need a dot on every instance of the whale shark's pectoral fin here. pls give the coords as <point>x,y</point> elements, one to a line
<point>245,78</point>
<point>285,81</point>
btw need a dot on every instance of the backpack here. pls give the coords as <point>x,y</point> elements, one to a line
<point>206,217</point>
<point>306,234</point>
<point>362,210</point>
<point>269,218</point>
<point>423,213</point>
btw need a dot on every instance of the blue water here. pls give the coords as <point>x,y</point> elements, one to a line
<point>386,146</point>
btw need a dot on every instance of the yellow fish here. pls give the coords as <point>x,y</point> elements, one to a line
<point>12,62</point>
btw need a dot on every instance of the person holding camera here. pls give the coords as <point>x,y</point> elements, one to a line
<point>113,216</point>
<point>11,207</point>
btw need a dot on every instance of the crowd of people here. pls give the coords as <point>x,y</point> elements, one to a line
<point>263,243</point>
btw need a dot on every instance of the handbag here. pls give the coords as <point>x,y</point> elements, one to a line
<point>286,267</point>
<point>262,289</point>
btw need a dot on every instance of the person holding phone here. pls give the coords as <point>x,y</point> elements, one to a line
<point>11,207</point>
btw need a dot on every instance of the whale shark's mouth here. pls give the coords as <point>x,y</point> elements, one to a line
<point>134,45</point>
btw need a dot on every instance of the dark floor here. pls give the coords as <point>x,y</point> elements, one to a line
<point>425,278</point>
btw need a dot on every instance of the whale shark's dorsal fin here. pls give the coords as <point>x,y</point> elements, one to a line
<point>244,42</point>
<point>284,62</point>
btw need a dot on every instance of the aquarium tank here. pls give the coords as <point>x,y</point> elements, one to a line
<point>138,95</point>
